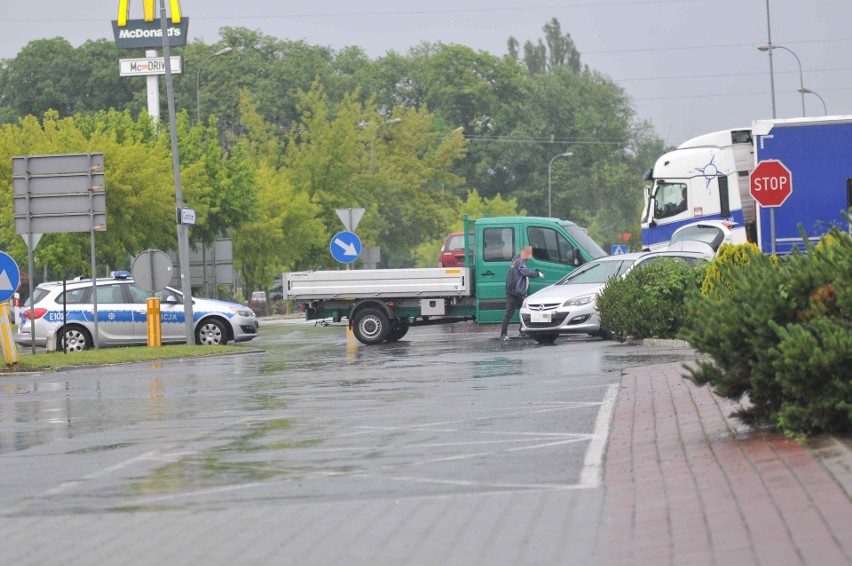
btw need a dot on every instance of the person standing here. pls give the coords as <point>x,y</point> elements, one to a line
<point>517,283</point>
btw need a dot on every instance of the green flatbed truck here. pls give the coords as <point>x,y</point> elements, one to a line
<point>382,304</point>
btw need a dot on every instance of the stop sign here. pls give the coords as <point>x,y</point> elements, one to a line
<point>771,183</point>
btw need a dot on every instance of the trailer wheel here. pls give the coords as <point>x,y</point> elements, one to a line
<point>371,326</point>
<point>545,339</point>
<point>400,329</point>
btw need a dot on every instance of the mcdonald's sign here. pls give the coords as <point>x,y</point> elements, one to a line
<point>147,33</point>
<point>148,7</point>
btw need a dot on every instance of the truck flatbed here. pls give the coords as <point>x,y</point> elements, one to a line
<point>379,283</point>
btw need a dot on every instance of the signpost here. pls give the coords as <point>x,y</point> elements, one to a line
<point>148,66</point>
<point>345,247</point>
<point>59,193</point>
<point>151,271</point>
<point>350,217</point>
<point>771,185</point>
<point>10,278</point>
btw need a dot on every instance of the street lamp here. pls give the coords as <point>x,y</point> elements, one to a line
<point>223,51</point>
<point>768,47</point>
<point>373,141</point>
<point>809,91</point>
<point>549,165</point>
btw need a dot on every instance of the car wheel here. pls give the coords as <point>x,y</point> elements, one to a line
<point>399,330</point>
<point>545,339</point>
<point>211,332</point>
<point>605,334</point>
<point>76,339</point>
<point>371,326</point>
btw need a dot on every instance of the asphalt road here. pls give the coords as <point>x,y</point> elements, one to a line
<point>318,449</point>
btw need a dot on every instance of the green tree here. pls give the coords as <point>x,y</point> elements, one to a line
<point>140,206</point>
<point>285,233</point>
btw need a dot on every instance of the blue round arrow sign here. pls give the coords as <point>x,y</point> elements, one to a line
<point>10,277</point>
<point>345,247</point>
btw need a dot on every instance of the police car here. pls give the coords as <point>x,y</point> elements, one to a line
<point>123,315</point>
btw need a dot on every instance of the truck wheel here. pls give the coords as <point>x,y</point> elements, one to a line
<point>400,329</point>
<point>371,326</point>
<point>545,339</point>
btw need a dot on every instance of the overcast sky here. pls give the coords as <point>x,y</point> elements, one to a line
<point>689,66</point>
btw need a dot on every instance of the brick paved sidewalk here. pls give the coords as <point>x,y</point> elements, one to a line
<point>686,484</point>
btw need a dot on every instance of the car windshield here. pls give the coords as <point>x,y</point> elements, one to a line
<point>596,272</point>
<point>455,243</point>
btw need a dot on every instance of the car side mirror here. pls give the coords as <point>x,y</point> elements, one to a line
<point>171,299</point>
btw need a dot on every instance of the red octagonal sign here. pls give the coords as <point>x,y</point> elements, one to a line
<point>771,183</point>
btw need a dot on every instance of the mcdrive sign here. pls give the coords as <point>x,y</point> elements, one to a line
<point>147,33</point>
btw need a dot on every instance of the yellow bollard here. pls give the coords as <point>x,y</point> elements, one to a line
<point>10,348</point>
<point>155,335</point>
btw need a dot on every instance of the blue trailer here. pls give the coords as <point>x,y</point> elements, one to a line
<point>708,178</point>
<point>818,153</point>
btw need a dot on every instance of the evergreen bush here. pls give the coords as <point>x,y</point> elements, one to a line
<point>649,302</point>
<point>779,332</point>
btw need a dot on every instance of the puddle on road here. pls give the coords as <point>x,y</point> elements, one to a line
<point>226,464</point>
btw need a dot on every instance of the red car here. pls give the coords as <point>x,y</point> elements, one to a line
<point>452,252</point>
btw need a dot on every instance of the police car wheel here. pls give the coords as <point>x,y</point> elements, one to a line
<point>211,332</point>
<point>76,339</point>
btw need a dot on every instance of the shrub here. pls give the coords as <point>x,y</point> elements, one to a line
<point>779,332</point>
<point>728,257</point>
<point>649,302</point>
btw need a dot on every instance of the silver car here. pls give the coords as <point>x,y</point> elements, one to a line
<point>569,306</point>
<point>123,316</point>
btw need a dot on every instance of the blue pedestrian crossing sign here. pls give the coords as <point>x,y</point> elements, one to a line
<point>10,277</point>
<point>618,249</point>
<point>345,247</point>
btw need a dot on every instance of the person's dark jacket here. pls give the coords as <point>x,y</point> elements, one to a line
<point>516,280</point>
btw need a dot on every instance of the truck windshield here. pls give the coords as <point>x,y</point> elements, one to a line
<point>669,199</point>
<point>585,241</point>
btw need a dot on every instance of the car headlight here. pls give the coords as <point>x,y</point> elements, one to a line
<point>579,301</point>
<point>242,311</point>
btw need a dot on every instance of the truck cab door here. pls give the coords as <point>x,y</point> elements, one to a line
<point>555,254</point>
<point>494,250</point>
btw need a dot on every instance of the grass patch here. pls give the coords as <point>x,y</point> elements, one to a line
<point>109,356</point>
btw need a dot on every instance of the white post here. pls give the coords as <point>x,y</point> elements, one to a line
<point>153,91</point>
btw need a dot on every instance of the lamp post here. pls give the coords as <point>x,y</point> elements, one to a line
<point>809,91</point>
<point>549,165</point>
<point>373,141</point>
<point>769,47</point>
<point>223,51</point>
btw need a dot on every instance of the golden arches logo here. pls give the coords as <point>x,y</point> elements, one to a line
<point>148,7</point>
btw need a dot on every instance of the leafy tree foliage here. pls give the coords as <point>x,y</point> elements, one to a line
<point>288,132</point>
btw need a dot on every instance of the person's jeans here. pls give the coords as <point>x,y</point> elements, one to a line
<point>512,304</point>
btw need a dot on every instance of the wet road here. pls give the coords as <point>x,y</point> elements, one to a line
<point>325,431</point>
